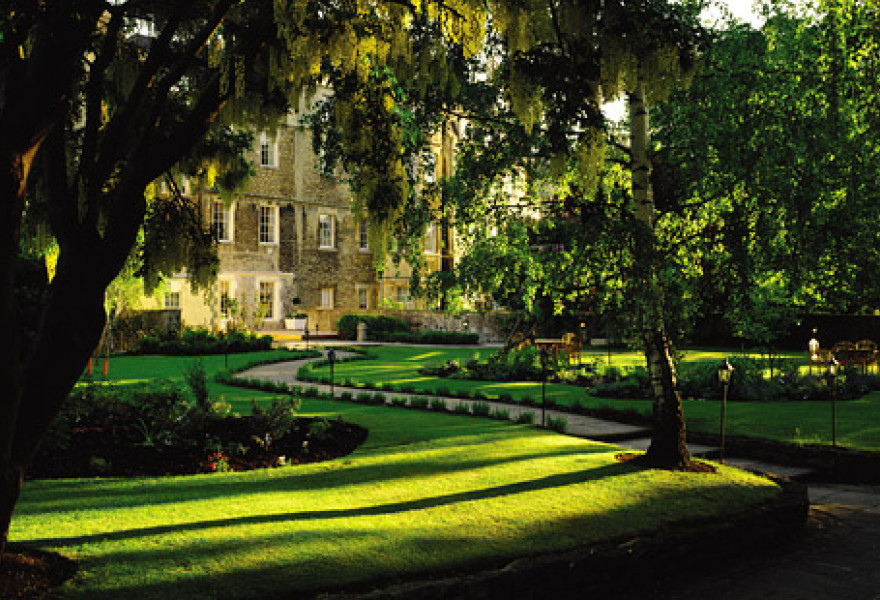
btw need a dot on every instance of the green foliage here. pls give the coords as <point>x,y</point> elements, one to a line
<point>162,415</point>
<point>437,404</point>
<point>500,414</point>
<point>433,337</point>
<point>275,421</point>
<point>200,342</point>
<point>480,409</point>
<point>197,379</point>
<point>378,326</point>
<point>526,418</point>
<point>634,384</point>
<point>418,402</point>
<point>520,365</point>
<point>558,424</point>
<point>319,428</point>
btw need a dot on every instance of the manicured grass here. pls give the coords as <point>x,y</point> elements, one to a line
<point>858,421</point>
<point>140,370</point>
<point>427,492</point>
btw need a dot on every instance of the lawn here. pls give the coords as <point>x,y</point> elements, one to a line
<point>426,492</point>
<point>858,421</point>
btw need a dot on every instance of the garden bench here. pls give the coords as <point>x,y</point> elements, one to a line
<point>862,353</point>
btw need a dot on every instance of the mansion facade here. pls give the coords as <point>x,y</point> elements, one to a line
<point>290,243</point>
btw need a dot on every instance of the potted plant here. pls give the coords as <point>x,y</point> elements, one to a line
<point>296,320</point>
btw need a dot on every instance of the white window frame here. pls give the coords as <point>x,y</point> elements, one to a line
<point>432,241</point>
<point>322,219</point>
<point>363,295</point>
<point>227,220</point>
<point>430,169</point>
<point>230,285</point>
<point>267,151</point>
<point>328,298</point>
<point>171,300</point>
<point>272,229</point>
<point>271,315</point>
<point>363,239</point>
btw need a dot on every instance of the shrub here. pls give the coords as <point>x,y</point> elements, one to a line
<point>319,429</point>
<point>346,396</point>
<point>398,401</point>
<point>500,414</point>
<point>559,424</point>
<point>526,418</point>
<point>507,398</point>
<point>378,326</point>
<point>275,421</point>
<point>443,391</point>
<point>162,416</point>
<point>462,408</point>
<point>193,342</point>
<point>633,385</point>
<point>365,397</point>
<point>418,402</point>
<point>480,409</point>
<point>437,404</point>
<point>378,398</point>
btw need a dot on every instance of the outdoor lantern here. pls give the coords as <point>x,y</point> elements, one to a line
<point>831,368</point>
<point>831,375</point>
<point>725,372</point>
<point>543,354</point>
<point>813,346</point>
<point>331,356</point>
<point>464,325</point>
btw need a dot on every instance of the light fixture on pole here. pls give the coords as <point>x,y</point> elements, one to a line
<point>331,356</point>
<point>543,355</point>
<point>831,369</point>
<point>725,374</point>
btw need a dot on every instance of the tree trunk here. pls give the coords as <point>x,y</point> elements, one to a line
<point>668,447</point>
<point>11,478</point>
<point>10,351</point>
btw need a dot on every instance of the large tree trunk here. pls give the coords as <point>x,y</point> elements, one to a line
<point>668,448</point>
<point>10,354</point>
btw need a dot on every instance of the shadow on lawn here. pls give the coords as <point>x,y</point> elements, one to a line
<point>59,496</point>
<point>362,559</point>
<point>551,481</point>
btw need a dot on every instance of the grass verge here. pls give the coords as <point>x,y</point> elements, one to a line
<point>427,492</point>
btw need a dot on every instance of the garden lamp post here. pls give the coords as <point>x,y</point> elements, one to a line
<point>813,349</point>
<point>543,355</point>
<point>331,356</point>
<point>306,337</point>
<point>831,368</point>
<point>583,338</point>
<point>725,373</point>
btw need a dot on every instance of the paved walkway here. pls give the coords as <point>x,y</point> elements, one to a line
<point>836,558</point>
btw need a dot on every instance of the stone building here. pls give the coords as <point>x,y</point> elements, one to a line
<point>291,235</point>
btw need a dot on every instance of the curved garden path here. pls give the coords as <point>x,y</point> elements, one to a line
<point>835,558</point>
